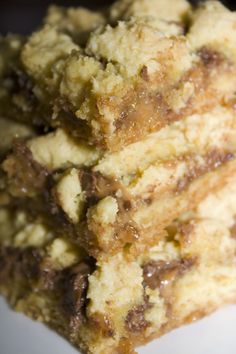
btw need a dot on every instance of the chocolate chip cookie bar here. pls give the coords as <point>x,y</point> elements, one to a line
<point>117,177</point>
<point>116,304</point>
<point>109,202</point>
<point>160,73</point>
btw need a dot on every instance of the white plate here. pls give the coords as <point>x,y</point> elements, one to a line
<point>212,335</point>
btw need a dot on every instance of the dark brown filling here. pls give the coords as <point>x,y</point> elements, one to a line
<point>162,274</point>
<point>77,128</point>
<point>26,177</point>
<point>49,276</point>
<point>27,268</point>
<point>97,186</point>
<point>135,321</point>
<point>74,287</point>
<point>212,160</point>
<point>20,102</point>
<point>233,230</point>
<point>20,263</point>
<point>210,58</point>
<point>70,286</point>
<point>19,82</point>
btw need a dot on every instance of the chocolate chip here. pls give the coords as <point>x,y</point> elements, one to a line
<point>74,289</point>
<point>160,274</point>
<point>144,73</point>
<point>209,57</point>
<point>233,230</point>
<point>135,321</point>
<point>19,262</point>
<point>29,261</point>
<point>212,160</point>
<point>25,175</point>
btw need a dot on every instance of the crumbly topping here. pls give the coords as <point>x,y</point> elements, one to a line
<point>63,253</point>
<point>45,48</point>
<point>78,22</point>
<point>213,26</point>
<point>59,150</point>
<point>124,9</point>
<point>70,195</point>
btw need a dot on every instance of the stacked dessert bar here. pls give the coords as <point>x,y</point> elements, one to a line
<point>118,177</point>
